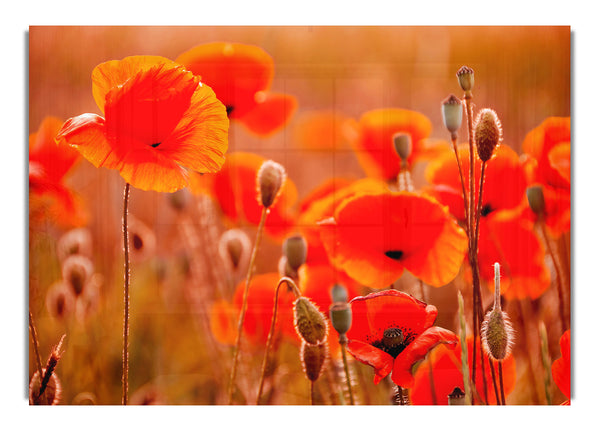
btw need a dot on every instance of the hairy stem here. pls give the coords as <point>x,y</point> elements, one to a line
<point>125,378</point>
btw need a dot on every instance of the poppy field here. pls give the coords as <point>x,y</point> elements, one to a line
<point>299,216</point>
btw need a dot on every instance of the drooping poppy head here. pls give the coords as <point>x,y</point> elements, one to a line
<point>561,368</point>
<point>257,321</point>
<point>373,142</point>
<point>540,143</point>
<point>160,123</point>
<point>391,331</point>
<point>241,76</point>
<point>447,375</point>
<point>235,189</point>
<point>48,166</point>
<point>373,237</point>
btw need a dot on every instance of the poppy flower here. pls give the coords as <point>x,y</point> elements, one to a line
<point>234,188</point>
<point>505,234</point>
<point>373,140</point>
<point>241,76</point>
<point>320,204</point>
<point>160,123</point>
<point>373,237</point>
<point>48,167</point>
<point>447,375</point>
<point>322,131</point>
<point>391,331</point>
<point>257,322</point>
<point>561,368</point>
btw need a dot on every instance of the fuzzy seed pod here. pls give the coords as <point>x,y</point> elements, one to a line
<point>466,79</point>
<point>309,321</point>
<point>452,112</point>
<point>270,179</point>
<point>339,293</point>
<point>403,145</point>
<point>75,241</point>
<point>76,271</point>
<point>313,358</point>
<point>488,133</point>
<point>535,197</point>
<point>497,334</point>
<point>234,248</point>
<point>340,315</point>
<point>294,249</point>
<point>52,392</point>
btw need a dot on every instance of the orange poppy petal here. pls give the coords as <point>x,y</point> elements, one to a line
<point>560,159</point>
<point>561,368</point>
<point>272,112</point>
<point>416,351</point>
<point>235,71</point>
<point>111,74</point>
<point>222,322</point>
<point>320,131</point>
<point>373,237</point>
<point>374,144</point>
<point>369,355</point>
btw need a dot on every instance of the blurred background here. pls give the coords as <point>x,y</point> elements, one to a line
<point>524,73</point>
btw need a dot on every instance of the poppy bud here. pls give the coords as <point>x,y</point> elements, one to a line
<point>340,315</point>
<point>339,293</point>
<point>309,321</point>
<point>456,397</point>
<point>403,145</point>
<point>179,199</point>
<point>497,334</point>
<point>488,133</point>
<point>60,300</point>
<point>294,249</point>
<point>234,246</point>
<point>535,197</point>
<point>285,270</point>
<point>466,79</point>
<point>452,110</point>
<point>52,393</point>
<point>313,357</point>
<point>75,241</point>
<point>76,271</point>
<point>270,179</point>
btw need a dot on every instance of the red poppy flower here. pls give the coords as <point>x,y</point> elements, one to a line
<point>241,76</point>
<point>320,204</point>
<point>373,237</point>
<point>505,234</point>
<point>48,166</point>
<point>257,322</point>
<point>447,375</point>
<point>373,142</point>
<point>561,368</point>
<point>160,123</point>
<point>391,331</point>
<point>322,131</point>
<point>234,188</point>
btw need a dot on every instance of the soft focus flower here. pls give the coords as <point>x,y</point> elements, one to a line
<point>48,166</point>
<point>160,123</point>
<point>321,131</point>
<point>447,374</point>
<point>234,188</point>
<point>373,140</point>
<point>391,331</point>
<point>261,296</point>
<point>241,76</point>
<point>373,237</point>
<point>561,368</point>
<point>505,234</point>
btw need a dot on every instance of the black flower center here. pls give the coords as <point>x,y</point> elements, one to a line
<point>138,242</point>
<point>229,109</point>
<point>155,144</point>
<point>486,209</point>
<point>394,254</point>
<point>392,342</point>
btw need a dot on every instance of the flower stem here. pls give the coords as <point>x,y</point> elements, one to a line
<point>312,393</point>
<point>343,344</point>
<point>546,362</point>
<point>493,370</point>
<point>36,346</point>
<point>464,356</point>
<point>238,340</point>
<point>501,382</point>
<point>462,183</point>
<point>290,283</point>
<point>557,267</point>
<point>125,378</point>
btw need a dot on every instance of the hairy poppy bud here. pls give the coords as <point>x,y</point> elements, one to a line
<point>497,334</point>
<point>234,247</point>
<point>52,392</point>
<point>403,145</point>
<point>452,110</point>
<point>488,133</point>
<point>339,293</point>
<point>456,397</point>
<point>340,315</point>
<point>535,197</point>
<point>466,79</point>
<point>270,179</point>
<point>294,249</point>
<point>309,321</point>
<point>313,357</point>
